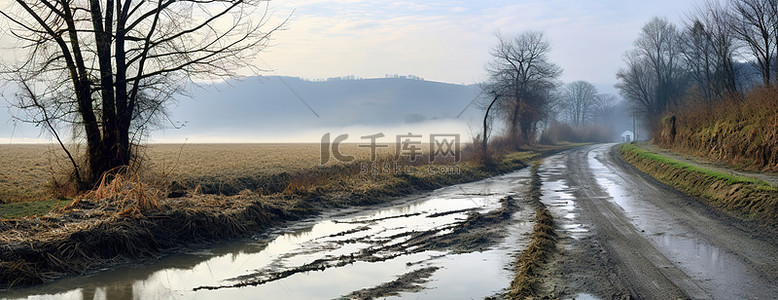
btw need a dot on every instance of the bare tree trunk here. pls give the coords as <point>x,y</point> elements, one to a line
<point>484,142</point>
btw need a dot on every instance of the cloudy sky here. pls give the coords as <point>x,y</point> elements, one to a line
<point>449,41</point>
<point>446,41</point>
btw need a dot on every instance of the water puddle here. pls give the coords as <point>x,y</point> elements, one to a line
<point>333,256</point>
<point>559,198</point>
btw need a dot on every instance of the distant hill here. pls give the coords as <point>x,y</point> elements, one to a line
<point>274,108</point>
<point>270,109</point>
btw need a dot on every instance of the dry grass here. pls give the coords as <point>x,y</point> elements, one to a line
<point>739,132</point>
<point>530,262</point>
<point>27,171</point>
<point>128,218</point>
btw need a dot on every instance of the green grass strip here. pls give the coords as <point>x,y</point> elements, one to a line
<point>23,209</point>
<point>730,178</point>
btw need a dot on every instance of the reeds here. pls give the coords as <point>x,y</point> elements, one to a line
<point>127,194</point>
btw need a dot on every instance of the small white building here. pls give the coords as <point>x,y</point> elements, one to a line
<point>627,136</point>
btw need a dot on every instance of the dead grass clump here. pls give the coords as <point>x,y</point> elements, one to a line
<point>124,193</point>
<point>542,243</point>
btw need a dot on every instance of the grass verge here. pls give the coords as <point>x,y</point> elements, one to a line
<point>24,209</point>
<point>130,220</point>
<point>745,198</point>
<point>543,242</point>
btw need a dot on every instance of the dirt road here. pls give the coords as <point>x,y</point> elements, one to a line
<point>626,235</point>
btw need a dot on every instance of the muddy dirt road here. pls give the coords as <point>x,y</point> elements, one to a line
<point>621,235</point>
<point>625,234</point>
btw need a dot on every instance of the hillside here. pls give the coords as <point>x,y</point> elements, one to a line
<point>274,109</point>
<point>734,131</point>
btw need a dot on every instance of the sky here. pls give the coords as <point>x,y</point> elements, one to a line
<point>449,41</point>
<point>444,41</point>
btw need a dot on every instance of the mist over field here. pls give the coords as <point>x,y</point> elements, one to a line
<point>289,109</point>
<point>275,109</point>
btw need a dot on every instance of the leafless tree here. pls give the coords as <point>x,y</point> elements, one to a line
<point>654,78</point>
<point>709,47</point>
<point>603,104</point>
<point>109,67</point>
<point>755,24</point>
<point>578,100</point>
<point>521,74</point>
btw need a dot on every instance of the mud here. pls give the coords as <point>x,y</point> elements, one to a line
<point>532,263</point>
<point>475,233</point>
<point>639,238</point>
<point>409,282</point>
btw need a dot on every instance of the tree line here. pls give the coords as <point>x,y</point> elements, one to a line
<point>720,49</point>
<point>525,91</point>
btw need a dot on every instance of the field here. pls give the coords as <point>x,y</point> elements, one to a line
<point>26,171</point>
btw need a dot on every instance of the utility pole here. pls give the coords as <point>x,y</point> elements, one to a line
<point>634,128</point>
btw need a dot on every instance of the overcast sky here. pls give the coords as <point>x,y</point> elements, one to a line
<point>446,41</point>
<point>449,41</point>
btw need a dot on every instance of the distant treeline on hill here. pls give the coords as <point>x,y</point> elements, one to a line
<point>354,77</point>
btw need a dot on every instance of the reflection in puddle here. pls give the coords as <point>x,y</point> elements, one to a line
<point>475,274</point>
<point>559,198</point>
<point>716,269</point>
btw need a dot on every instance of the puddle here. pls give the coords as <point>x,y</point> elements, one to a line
<point>475,274</point>
<point>714,269</point>
<point>585,297</point>
<point>558,197</point>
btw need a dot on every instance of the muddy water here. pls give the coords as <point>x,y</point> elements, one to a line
<point>338,239</point>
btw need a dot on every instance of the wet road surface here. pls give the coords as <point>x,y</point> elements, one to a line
<point>643,239</point>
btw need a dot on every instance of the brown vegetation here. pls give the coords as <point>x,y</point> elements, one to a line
<point>40,172</point>
<point>744,198</point>
<point>742,132</point>
<point>559,132</point>
<point>129,218</point>
<point>542,244</point>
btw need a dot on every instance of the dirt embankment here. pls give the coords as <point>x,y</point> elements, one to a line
<point>739,130</point>
<point>543,242</point>
<point>747,199</point>
<point>130,221</point>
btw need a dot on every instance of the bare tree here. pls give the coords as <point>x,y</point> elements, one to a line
<point>521,74</point>
<point>708,47</point>
<point>637,83</point>
<point>755,23</point>
<point>578,100</point>
<point>108,67</point>
<point>603,104</point>
<point>654,78</point>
